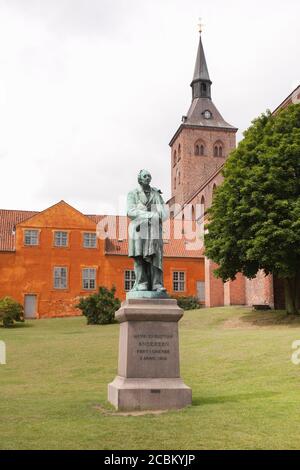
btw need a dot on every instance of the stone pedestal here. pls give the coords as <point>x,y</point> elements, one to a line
<point>148,371</point>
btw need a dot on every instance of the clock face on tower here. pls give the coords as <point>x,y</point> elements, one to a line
<point>207,114</point>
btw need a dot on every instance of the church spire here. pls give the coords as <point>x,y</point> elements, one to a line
<point>201,82</point>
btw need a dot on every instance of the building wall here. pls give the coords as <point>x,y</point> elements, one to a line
<point>234,291</point>
<point>195,169</point>
<point>115,266</point>
<point>259,291</point>
<point>205,195</point>
<point>214,287</point>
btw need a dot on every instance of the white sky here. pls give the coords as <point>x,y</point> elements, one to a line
<point>91,91</point>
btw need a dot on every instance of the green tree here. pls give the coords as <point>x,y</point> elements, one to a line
<point>10,311</point>
<point>100,308</point>
<point>254,221</point>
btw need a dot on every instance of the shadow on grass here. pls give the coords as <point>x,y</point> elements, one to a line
<point>271,317</point>
<point>18,325</point>
<point>198,401</point>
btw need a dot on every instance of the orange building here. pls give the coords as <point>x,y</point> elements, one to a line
<point>51,258</point>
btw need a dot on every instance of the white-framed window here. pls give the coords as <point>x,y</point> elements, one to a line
<point>31,237</point>
<point>60,277</point>
<point>89,278</point>
<point>89,240</point>
<point>129,279</point>
<point>60,238</point>
<point>178,281</point>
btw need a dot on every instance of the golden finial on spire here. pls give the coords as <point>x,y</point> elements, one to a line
<point>200,25</point>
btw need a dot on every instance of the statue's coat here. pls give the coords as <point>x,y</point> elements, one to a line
<point>145,238</point>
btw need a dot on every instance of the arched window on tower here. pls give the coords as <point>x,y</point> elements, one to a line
<point>179,152</point>
<point>174,158</point>
<point>199,148</point>
<point>193,214</point>
<point>202,209</point>
<point>218,149</point>
<point>178,178</point>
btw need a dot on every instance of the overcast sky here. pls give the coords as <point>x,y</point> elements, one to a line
<point>91,91</point>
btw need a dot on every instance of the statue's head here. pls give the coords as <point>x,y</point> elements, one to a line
<point>144,177</point>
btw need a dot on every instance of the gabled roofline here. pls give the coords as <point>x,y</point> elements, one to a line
<point>286,99</point>
<point>56,204</point>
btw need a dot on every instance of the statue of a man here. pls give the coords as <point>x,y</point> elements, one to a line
<point>147,211</point>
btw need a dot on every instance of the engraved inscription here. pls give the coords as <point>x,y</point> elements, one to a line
<point>153,347</point>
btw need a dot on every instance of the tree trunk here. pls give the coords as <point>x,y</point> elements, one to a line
<point>292,294</point>
<point>298,291</point>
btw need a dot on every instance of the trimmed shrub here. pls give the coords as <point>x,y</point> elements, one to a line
<point>100,308</point>
<point>10,311</point>
<point>188,303</point>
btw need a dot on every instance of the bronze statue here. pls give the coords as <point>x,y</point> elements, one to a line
<point>147,211</point>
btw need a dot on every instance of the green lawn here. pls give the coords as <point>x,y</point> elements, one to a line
<point>246,391</point>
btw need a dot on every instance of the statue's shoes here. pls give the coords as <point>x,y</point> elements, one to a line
<point>159,288</point>
<point>142,287</point>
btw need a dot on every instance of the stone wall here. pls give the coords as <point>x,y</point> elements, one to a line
<point>260,290</point>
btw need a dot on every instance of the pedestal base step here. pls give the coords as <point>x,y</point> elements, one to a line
<point>148,394</point>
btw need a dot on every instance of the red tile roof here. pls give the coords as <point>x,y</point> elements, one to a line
<point>8,221</point>
<point>112,228</point>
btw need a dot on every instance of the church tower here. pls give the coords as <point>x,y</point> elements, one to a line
<point>203,140</point>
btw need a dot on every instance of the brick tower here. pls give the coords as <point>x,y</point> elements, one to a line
<point>202,141</point>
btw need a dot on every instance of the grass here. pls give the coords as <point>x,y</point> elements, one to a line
<point>246,390</point>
